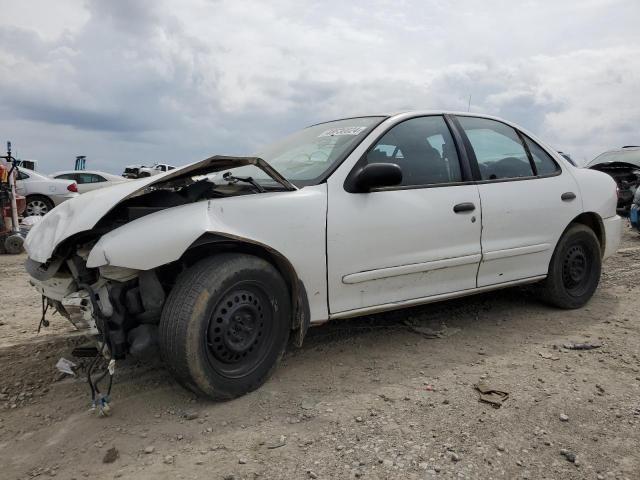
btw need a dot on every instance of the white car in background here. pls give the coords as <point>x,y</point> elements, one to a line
<point>221,261</point>
<point>42,192</point>
<point>88,180</point>
<point>142,171</point>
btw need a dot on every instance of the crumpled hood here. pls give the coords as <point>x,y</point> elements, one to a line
<point>82,213</point>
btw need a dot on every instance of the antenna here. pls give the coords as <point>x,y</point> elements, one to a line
<point>469,104</point>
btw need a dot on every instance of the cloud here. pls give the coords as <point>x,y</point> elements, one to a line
<point>142,81</point>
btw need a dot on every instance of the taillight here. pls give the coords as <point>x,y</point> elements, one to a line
<point>72,187</point>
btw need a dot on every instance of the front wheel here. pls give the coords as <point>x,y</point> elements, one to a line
<point>574,271</point>
<point>225,325</point>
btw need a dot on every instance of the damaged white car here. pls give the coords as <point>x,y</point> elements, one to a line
<point>218,263</point>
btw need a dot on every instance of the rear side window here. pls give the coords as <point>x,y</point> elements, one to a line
<point>66,176</point>
<point>545,165</point>
<point>498,149</point>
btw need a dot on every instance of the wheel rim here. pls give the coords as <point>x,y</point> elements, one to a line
<point>239,333</point>
<point>37,208</point>
<point>576,269</point>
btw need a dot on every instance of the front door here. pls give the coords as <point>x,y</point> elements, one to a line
<point>404,243</point>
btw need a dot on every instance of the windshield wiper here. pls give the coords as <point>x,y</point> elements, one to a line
<point>233,179</point>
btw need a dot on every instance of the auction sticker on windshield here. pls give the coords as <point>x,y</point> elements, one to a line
<point>342,131</point>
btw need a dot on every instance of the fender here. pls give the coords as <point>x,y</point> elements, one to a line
<point>291,225</point>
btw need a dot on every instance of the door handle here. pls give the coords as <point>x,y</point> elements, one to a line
<point>567,196</point>
<point>464,207</point>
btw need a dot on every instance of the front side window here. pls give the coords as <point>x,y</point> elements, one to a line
<point>424,150</point>
<point>545,165</point>
<point>498,149</point>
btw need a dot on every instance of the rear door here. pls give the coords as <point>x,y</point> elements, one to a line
<point>527,200</point>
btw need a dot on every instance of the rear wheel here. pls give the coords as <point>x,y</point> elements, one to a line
<point>574,271</point>
<point>225,325</point>
<point>38,205</point>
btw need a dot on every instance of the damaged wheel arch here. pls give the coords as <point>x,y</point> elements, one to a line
<point>211,244</point>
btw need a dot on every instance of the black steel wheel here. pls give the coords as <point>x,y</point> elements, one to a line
<point>574,271</point>
<point>238,335</point>
<point>225,325</point>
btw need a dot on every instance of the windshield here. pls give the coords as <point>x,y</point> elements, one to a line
<point>307,156</point>
<point>627,156</point>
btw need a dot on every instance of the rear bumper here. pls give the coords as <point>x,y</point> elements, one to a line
<point>613,235</point>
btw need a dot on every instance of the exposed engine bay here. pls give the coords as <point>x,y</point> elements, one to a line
<point>626,176</point>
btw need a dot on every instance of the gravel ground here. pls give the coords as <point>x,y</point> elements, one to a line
<point>364,398</point>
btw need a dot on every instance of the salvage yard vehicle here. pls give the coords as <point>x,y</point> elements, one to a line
<point>222,261</point>
<point>43,193</point>
<point>623,164</point>
<point>88,180</point>
<point>142,171</point>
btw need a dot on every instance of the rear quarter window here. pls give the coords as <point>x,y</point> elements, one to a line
<point>545,165</point>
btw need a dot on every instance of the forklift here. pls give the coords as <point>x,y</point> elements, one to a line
<point>11,206</point>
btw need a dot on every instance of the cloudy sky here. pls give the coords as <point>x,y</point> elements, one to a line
<point>140,81</point>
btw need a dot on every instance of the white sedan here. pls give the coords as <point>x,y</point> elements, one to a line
<point>223,260</point>
<point>42,192</point>
<point>88,180</point>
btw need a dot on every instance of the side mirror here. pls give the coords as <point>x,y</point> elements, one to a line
<point>375,175</point>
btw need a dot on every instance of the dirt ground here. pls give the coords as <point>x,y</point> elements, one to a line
<point>365,398</point>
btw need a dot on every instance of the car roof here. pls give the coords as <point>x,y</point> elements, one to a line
<point>418,113</point>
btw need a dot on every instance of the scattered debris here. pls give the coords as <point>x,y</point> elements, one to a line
<point>111,455</point>
<point>190,415</point>
<point>282,441</point>
<point>149,450</point>
<point>66,366</point>
<point>427,332</point>
<point>581,346</point>
<point>548,356</point>
<point>308,404</point>
<point>570,456</point>
<point>564,417</point>
<point>490,394</point>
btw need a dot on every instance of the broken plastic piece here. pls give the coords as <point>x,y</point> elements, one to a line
<point>66,366</point>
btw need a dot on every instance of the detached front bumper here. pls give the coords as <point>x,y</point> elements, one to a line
<point>613,235</point>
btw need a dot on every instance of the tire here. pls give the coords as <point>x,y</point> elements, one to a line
<point>574,271</point>
<point>13,244</point>
<point>225,325</point>
<point>38,205</point>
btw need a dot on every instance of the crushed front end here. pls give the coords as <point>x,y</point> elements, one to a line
<point>120,307</point>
